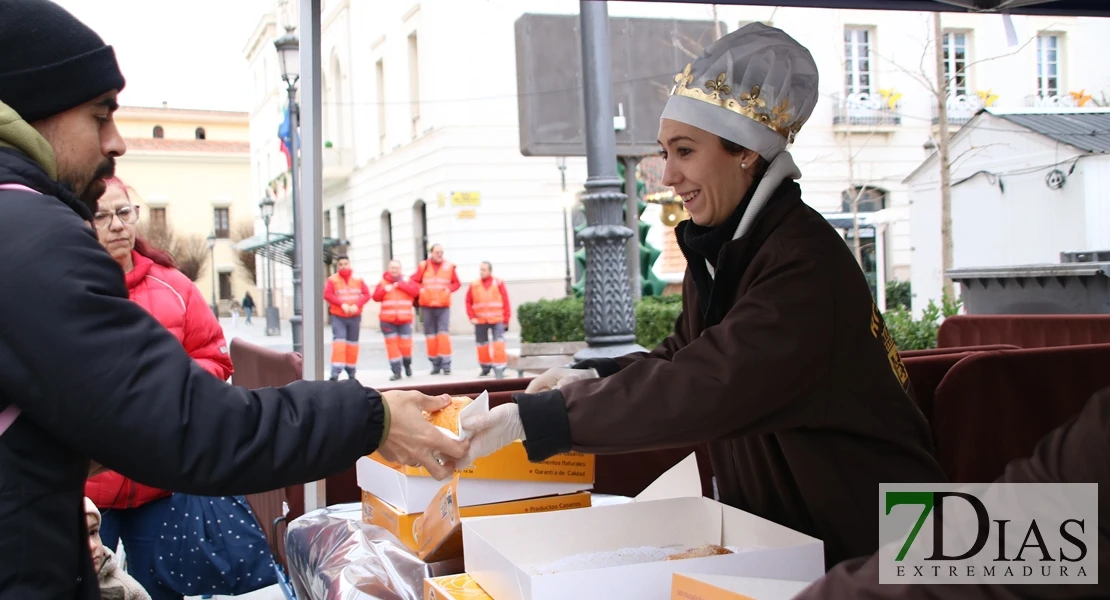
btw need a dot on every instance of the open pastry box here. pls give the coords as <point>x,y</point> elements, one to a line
<point>620,551</point>
<point>723,587</point>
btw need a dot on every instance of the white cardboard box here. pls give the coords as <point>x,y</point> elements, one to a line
<point>412,494</point>
<point>498,550</point>
<point>699,586</point>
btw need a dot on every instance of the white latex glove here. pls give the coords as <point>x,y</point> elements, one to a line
<point>491,432</point>
<point>553,379</point>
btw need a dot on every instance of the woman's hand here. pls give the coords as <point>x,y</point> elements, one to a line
<point>491,431</point>
<point>552,379</point>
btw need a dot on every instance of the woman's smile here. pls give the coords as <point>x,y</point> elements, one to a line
<point>689,197</point>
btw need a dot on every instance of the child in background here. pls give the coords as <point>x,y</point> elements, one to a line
<point>115,583</point>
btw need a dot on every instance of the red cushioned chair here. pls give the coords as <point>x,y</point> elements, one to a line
<point>993,407</point>
<point>1025,331</point>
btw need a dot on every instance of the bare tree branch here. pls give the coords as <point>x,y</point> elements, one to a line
<point>970,151</point>
<point>678,44</point>
<point>922,77</point>
<point>190,251</point>
<point>246,258</point>
<point>990,58</point>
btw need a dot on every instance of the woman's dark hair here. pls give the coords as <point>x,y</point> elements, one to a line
<point>142,246</point>
<point>735,149</point>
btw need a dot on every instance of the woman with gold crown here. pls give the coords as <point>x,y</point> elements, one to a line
<point>780,359</point>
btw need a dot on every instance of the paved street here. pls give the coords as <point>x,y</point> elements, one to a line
<point>373,366</point>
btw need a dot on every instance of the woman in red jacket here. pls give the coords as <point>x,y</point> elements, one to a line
<point>131,509</point>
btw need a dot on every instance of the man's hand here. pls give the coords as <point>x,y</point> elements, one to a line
<point>492,431</point>
<point>474,321</point>
<point>553,379</point>
<point>415,442</point>
<point>389,287</point>
<point>349,308</point>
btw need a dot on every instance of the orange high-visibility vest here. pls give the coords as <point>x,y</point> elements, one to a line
<point>489,306</point>
<point>348,292</point>
<point>396,306</point>
<point>435,290</point>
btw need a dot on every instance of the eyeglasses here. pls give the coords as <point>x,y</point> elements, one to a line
<point>127,215</point>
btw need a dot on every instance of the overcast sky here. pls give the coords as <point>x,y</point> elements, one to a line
<point>189,54</point>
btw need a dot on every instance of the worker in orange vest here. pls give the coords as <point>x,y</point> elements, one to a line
<point>396,295</point>
<point>487,305</point>
<point>346,295</point>
<point>437,279</point>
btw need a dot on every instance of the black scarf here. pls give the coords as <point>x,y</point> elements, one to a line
<point>708,241</point>
<point>729,257</point>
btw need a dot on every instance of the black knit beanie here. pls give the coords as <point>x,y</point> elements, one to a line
<point>49,61</point>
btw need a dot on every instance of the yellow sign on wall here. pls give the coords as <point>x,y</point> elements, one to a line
<point>467,213</point>
<point>466,199</point>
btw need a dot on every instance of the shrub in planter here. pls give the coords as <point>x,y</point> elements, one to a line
<point>552,321</point>
<point>912,334</point>
<point>919,334</point>
<point>562,320</point>
<point>655,319</point>
<point>898,294</point>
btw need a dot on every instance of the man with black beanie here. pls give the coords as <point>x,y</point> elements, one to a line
<point>87,374</point>
<point>51,66</point>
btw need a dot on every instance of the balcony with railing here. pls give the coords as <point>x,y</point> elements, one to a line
<point>339,163</point>
<point>866,111</point>
<point>961,108</point>
<point>1051,101</point>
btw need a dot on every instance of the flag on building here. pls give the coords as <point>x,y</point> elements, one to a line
<point>285,134</point>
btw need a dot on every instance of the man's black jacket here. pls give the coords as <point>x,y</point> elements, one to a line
<point>97,377</point>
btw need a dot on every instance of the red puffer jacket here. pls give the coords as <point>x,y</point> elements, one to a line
<point>178,305</point>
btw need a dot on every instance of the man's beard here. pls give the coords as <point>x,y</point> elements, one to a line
<point>95,187</point>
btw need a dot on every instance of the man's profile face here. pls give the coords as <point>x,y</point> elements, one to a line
<point>437,253</point>
<point>86,144</point>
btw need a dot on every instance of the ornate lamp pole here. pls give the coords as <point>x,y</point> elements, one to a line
<point>273,323</point>
<point>610,320</point>
<point>289,52</point>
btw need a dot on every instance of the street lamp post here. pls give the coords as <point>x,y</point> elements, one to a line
<point>567,201</point>
<point>288,49</point>
<point>610,322</point>
<point>273,323</point>
<point>212,267</point>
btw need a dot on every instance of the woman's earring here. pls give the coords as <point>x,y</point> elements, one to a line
<point>743,165</point>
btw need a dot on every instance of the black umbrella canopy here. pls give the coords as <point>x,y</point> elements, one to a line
<point>1072,8</point>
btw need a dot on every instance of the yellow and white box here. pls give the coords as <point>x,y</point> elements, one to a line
<point>503,476</point>
<point>406,526</point>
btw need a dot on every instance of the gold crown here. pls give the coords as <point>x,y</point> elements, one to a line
<point>748,104</point>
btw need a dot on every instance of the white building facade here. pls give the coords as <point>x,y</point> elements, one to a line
<point>421,122</point>
<point>1028,186</point>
